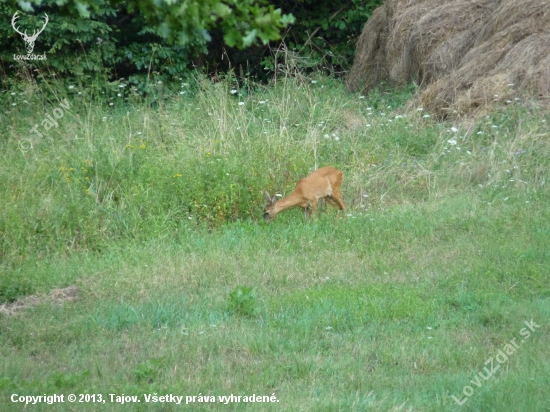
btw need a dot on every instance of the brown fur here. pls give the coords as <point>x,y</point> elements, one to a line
<point>324,183</point>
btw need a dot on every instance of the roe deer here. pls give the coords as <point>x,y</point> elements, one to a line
<point>322,183</point>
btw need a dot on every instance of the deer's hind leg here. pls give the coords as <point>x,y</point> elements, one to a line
<point>337,197</point>
<point>336,202</point>
<point>331,201</point>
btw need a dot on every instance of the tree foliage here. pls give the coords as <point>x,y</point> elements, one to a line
<point>323,37</point>
<point>326,30</point>
<point>145,42</point>
<point>149,42</point>
<point>181,22</point>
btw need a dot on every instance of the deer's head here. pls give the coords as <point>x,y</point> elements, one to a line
<point>270,203</point>
<point>29,40</point>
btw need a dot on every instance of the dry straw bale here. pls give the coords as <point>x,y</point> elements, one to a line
<point>465,54</point>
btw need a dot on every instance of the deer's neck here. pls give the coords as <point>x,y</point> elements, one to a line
<point>294,199</point>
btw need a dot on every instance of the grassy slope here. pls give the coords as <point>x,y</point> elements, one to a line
<point>396,307</point>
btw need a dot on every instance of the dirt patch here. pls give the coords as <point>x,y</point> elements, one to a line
<point>55,297</point>
<point>466,55</point>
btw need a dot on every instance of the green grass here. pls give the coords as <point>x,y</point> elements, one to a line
<point>442,257</point>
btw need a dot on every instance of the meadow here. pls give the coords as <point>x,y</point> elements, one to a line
<point>153,212</point>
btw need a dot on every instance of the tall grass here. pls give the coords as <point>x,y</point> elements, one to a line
<point>204,157</point>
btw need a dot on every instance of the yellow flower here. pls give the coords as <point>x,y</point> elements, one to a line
<point>142,146</point>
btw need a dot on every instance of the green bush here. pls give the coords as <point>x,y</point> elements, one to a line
<point>89,54</point>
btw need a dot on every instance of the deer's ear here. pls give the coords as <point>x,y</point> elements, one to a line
<point>267,197</point>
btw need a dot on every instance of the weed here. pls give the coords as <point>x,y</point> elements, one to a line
<point>242,301</point>
<point>148,371</point>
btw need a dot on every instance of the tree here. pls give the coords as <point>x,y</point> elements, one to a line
<point>181,21</point>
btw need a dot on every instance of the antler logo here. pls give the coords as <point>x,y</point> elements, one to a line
<point>29,40</point>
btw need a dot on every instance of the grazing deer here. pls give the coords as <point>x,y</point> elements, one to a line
<point>323,183</point>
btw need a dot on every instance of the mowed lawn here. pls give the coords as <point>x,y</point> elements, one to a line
<point>431,293</point>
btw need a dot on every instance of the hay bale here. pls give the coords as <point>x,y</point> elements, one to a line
<point>465,54</point>
<point>371,70</point>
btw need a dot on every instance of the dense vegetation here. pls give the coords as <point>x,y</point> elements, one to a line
<point>107,41</point>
